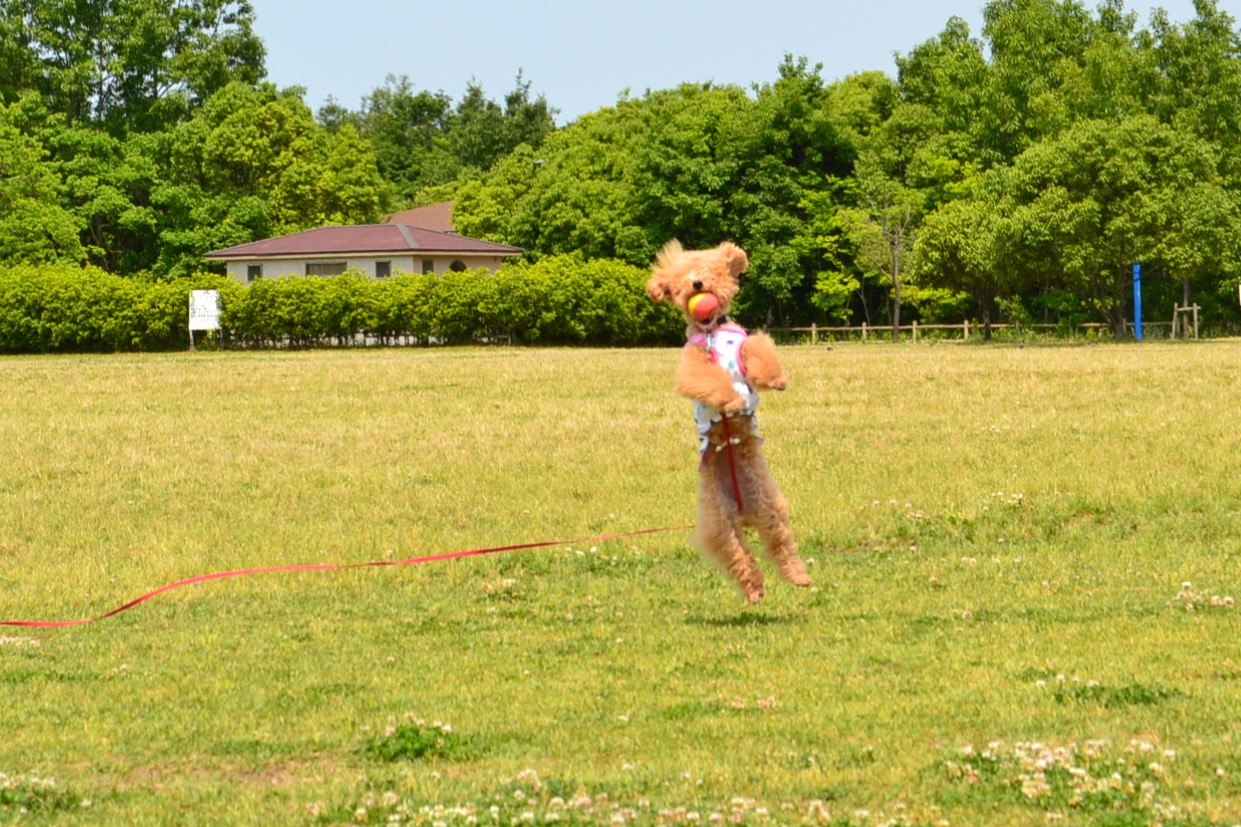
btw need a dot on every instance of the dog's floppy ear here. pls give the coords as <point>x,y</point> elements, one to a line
<point>670,252</point>
<point>658,288</point>
<point>738,261</point>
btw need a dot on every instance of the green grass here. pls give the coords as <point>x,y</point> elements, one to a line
<point>1024,564</point>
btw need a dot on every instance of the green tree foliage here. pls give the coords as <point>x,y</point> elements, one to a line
<point>883,228</point>
<point>34,228</point>
<point>1074,212</point>
<point>1022,169</point>
<point>407,130</point>
<point>422,141</point>
<point>482,132</point>
<point>700,163</point>
<point>1197,78</point>
<point>1106,145</point>
<point>126,65</point>
<point>252,163</point>
<point>1091,203</point>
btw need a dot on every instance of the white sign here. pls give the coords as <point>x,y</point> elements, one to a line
<point>204,310</point>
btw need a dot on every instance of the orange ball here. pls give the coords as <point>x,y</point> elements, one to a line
<point>702,306</point>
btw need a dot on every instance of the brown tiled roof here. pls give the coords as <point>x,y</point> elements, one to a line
<point>431,217</point>
<point>365,239</point>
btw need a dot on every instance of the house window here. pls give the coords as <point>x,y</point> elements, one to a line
<point>383,269</point>
<point>428,266</point>
<point>254,272</point>
<point>458,266</point>
<point>325,268</point>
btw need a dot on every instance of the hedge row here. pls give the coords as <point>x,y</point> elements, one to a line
<point>560,300</point>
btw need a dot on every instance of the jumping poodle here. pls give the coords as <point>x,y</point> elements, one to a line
<point>722,368</point>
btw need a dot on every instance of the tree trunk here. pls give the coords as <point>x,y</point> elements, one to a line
<point>896,308</point>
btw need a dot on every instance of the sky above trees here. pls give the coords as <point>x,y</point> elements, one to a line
<point>581,56</point>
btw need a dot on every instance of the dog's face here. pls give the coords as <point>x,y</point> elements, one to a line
<point>679,275</point>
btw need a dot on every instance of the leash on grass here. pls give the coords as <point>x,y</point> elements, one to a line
<point>429,558</point>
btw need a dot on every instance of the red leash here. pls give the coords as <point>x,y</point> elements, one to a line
<point>430,558</point>
<point>732,464</point>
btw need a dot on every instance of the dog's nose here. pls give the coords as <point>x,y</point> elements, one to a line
<point>697,285</point>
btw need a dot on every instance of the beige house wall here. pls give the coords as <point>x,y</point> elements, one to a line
<point>440,263</point>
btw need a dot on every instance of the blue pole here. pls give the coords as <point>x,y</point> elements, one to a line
<point>1137,302</point>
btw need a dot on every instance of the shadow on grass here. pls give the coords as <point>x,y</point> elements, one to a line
<point>742,621</point>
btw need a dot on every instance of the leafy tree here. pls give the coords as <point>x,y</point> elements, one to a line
<point>407,131</point>
<point>253,163</point>
<point>425,146</point>
<point>1088,204</point>
<point>576,195</point>
<point>126,64</point>
<point>956,250</point>
<point>700,163</point>
<point>1197,78</point>
<point>34,227</point>
<point>946,78</point>
<point>107,184</point>
<point>790,145</point>
<point>482,132</point>
<point>883,228</point>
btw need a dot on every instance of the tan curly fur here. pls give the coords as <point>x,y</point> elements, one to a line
<point>678,275</point>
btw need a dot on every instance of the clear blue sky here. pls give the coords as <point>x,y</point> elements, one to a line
<point>582,54</point>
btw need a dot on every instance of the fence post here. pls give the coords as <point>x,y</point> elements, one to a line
<point>814,333</point>
<point>863,331</point>
<point>915,330</point>
<point>966,326</point>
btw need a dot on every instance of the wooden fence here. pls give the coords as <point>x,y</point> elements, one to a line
<point>967,329</point>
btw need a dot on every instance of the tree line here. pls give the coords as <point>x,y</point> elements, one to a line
<point>1012,174</point>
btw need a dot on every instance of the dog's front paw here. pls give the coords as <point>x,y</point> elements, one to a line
<point>734,405</point>
<point>780,383</point>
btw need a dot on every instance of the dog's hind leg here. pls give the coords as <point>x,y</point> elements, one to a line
<point>720,540</point>
<point>773,527</point>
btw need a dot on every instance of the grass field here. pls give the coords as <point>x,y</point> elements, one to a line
<point>1025,564</point>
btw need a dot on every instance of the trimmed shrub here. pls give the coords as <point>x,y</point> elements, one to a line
<point>564,299</point>
<point>60,309</point>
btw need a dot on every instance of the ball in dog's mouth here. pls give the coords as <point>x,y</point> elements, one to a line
<point>703,306</point>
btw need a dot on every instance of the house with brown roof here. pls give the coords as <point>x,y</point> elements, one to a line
<point>431,217</point>
<point>377,250</point>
